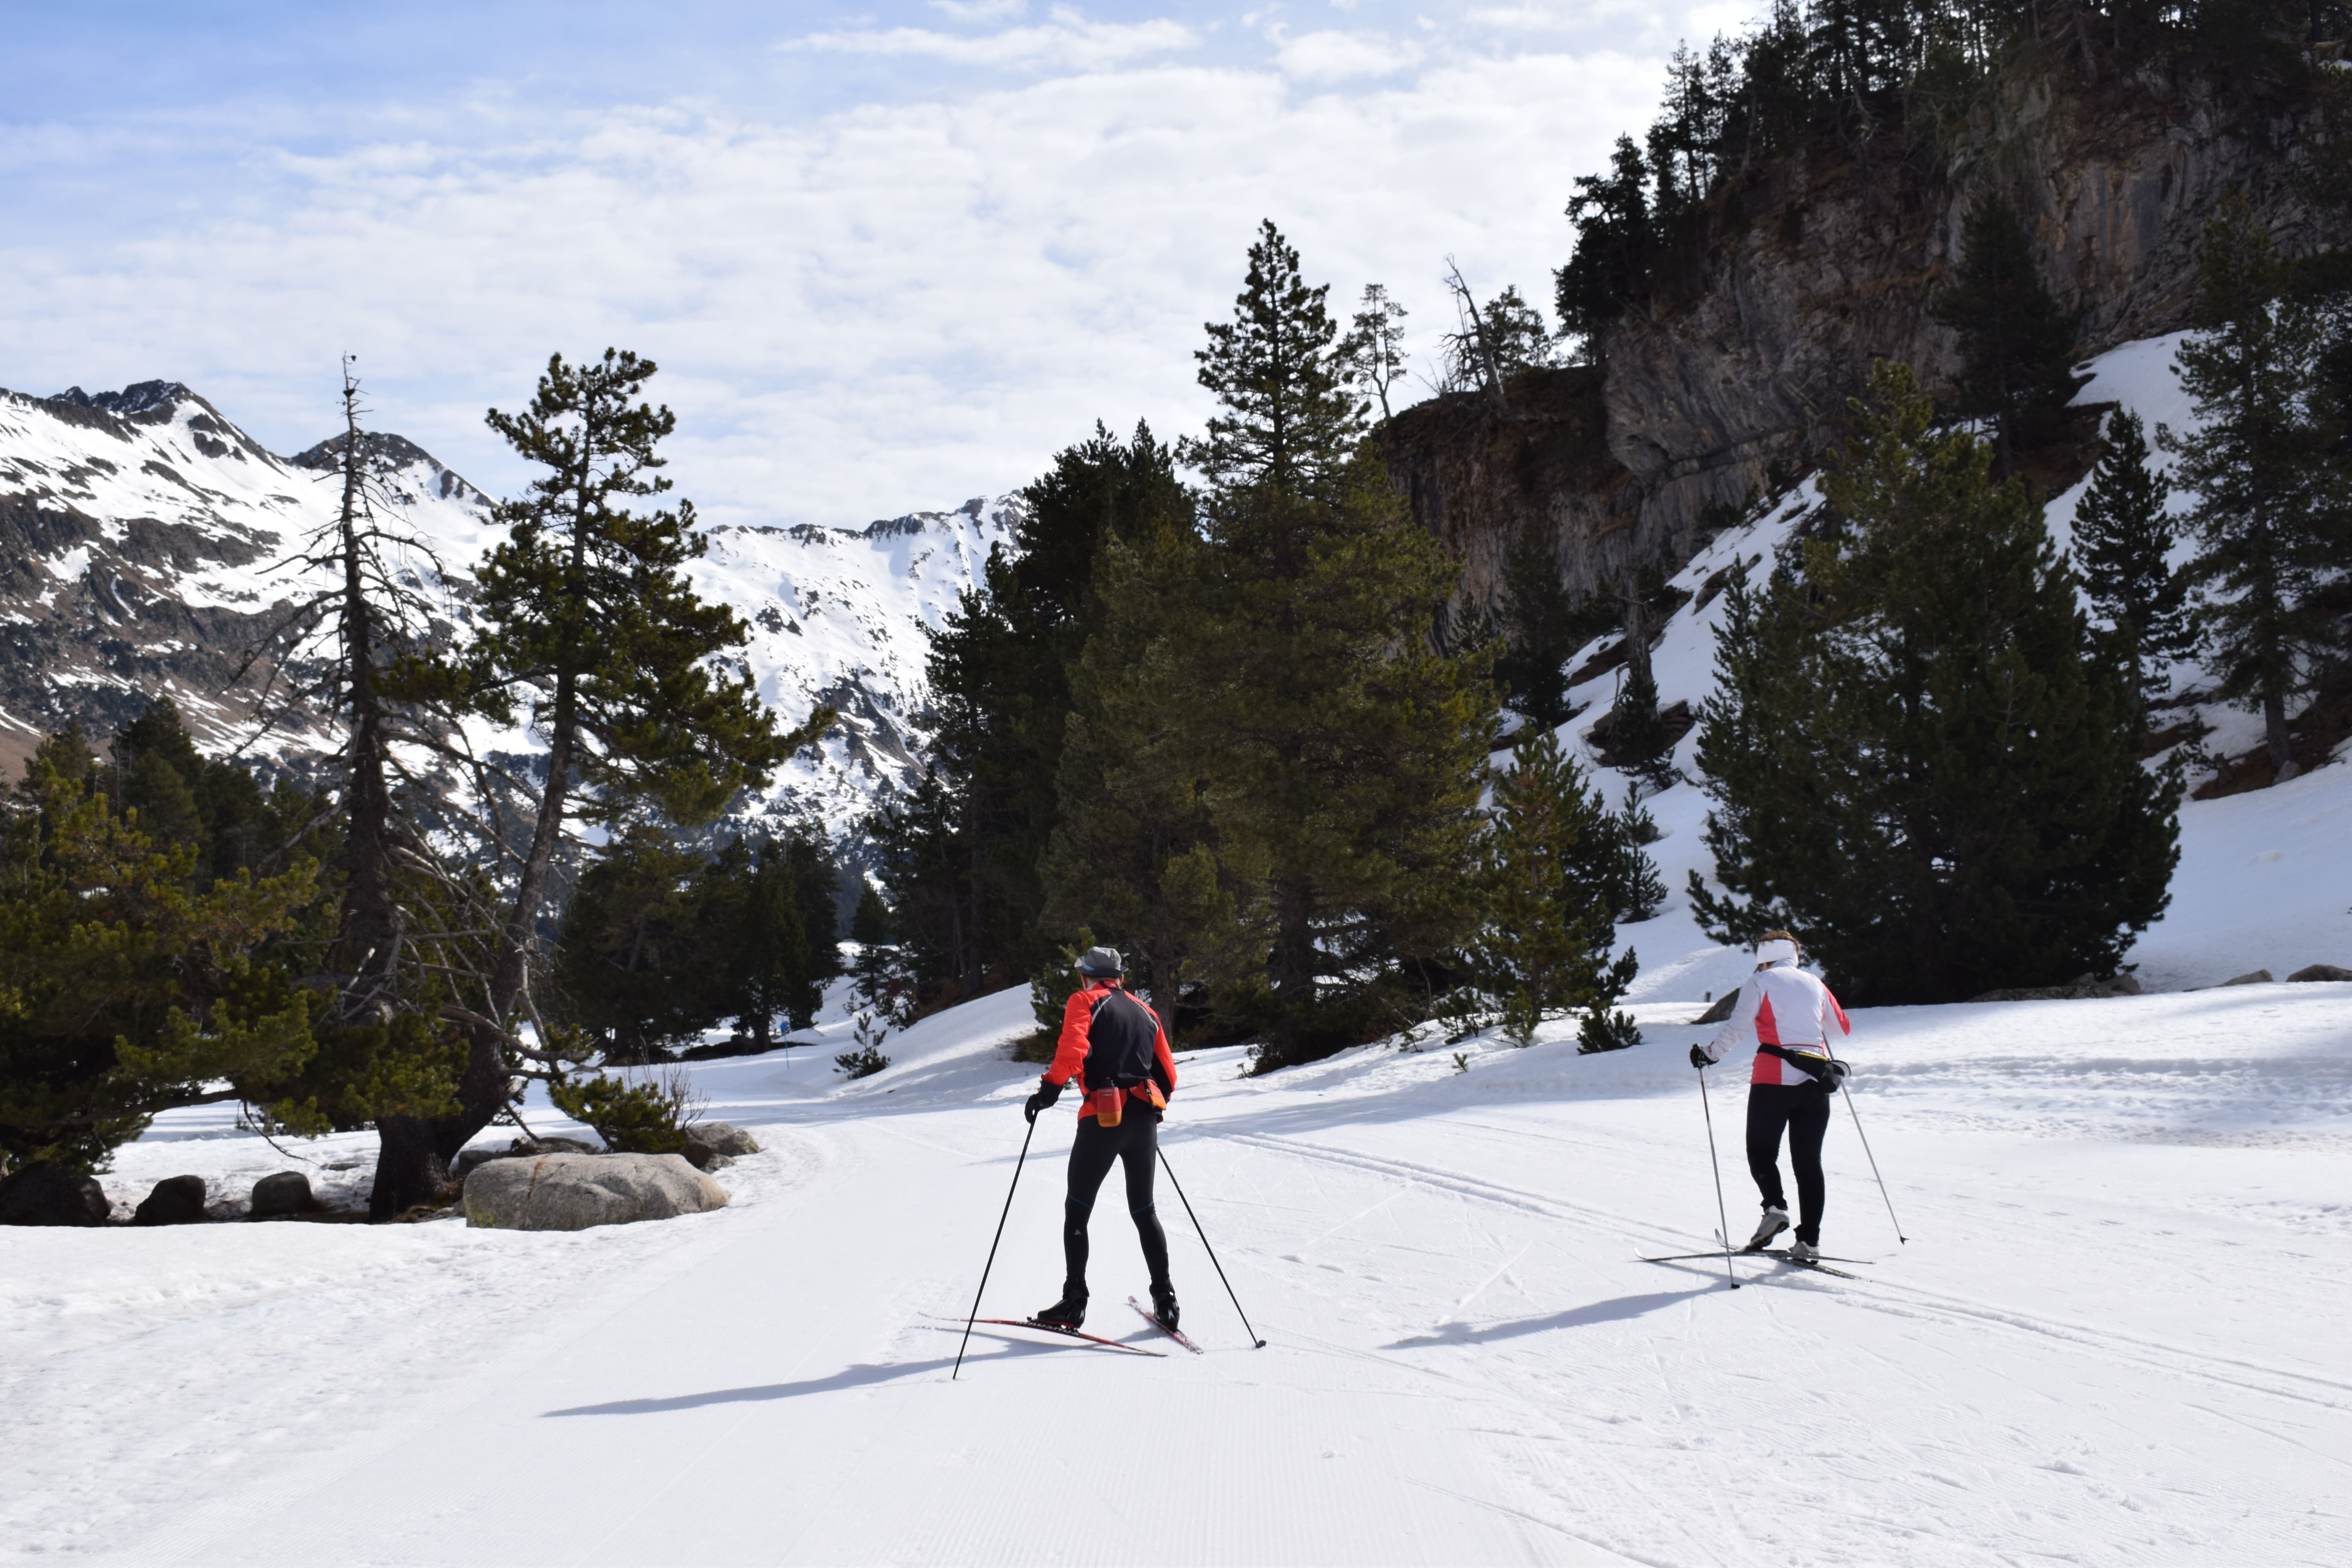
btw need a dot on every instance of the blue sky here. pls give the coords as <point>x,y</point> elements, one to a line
<point>888,256</point>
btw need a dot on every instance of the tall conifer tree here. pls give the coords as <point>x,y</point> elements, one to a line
<point>2122,538</point>
<point>1343,749</point>
<point>2273,513</point>
<point>2017,346</point>
<point>1918,757</point>
<point>591,632</point>
<point>1551,858</point>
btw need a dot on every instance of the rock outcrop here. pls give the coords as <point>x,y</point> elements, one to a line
<point>575,1192</point>
<point>1742,365</point>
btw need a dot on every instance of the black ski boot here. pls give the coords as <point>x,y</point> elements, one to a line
<point>1164,1305</point>
<point>1069,1312</point>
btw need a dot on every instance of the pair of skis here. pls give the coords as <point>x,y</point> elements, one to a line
<point>1778,1255</point>
<point>1069,1333</point>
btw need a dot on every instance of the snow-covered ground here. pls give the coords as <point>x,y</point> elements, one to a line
<point>2113,1337</point>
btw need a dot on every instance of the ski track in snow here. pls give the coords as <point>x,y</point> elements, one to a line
<point>2111,1340</point>
<point>2097,1348</point>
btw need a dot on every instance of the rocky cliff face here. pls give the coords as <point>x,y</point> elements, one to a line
<point>1820,267</point>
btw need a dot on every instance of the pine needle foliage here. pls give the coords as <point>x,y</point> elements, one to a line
<point>128,985</point>
<point>1551,856</point>
<point>1338,749</point>
<point>2017,345</point>
<point>2273,513</point>
<point>1917,754</point>
<point>2123,538</point>
<point>590,630</point>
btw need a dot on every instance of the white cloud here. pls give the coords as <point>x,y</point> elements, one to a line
<point>1068,41</point>
<point>979,10</point>
<point>893,307</point>
<point>1340,57</point>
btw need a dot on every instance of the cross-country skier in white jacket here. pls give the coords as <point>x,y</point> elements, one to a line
<point>1783,1009</point>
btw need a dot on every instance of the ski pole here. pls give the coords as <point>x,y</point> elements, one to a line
<point>974,1315</point>
<point>1256,1344</point>
<point>1721,1218</point>
<point>1873,1165</point>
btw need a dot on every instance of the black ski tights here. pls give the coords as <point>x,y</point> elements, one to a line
<point>1804,1109</point>
<point>1135,1142</point>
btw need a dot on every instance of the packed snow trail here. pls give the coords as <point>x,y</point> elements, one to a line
<point>2110,1339</point>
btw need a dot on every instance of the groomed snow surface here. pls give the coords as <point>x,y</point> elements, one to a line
<point>2114,1337</point>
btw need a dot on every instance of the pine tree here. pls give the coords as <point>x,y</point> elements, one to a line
<point>635,962</point>
<point>1136,860</point>
<point>363,642</point>
<point>125,989</point>
<point>588,628</point>
<point>1339,748</point>
<point>1638,737</point>
<point>1289,422</point>
<point>1616,248</point>
<point>2273,514</point>
<point>1917,755</point>
<point>1543,629</point>
<point>962,859</point>
<point>1549,852</point>
<point>2123,536</point>
<point>1373,350</point>
<point>880,981</point>
<point>2017,346</point>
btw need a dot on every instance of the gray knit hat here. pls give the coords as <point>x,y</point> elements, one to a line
<point>1101,961</point>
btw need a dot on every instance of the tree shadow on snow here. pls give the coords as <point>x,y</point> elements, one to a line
<point>860,1376</point>
<point>1574,1318</point>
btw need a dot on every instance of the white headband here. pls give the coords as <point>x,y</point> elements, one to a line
<point>1773,951</point>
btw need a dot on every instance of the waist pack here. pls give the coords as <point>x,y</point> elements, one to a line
<point>1826,1070</point>
<point>1108,1106</point>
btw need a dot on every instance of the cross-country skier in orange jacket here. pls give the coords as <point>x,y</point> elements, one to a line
<point>1114,1045</point>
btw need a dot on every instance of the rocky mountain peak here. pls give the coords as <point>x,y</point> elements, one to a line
<point>137,398</point>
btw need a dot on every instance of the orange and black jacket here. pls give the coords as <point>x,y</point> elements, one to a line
<point>1112,1040</point>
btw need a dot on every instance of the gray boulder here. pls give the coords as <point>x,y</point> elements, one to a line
<point>2259,977</point>
<point>2086,987</point>
<point>712,1144</point>
<point>1721,1011</point>
<point>2321,972</point>
<point>469,1157</point>
<point>176,1200</point>
<point>283,1193</point>
<point>49,1194</point>
<point>575,1192</point>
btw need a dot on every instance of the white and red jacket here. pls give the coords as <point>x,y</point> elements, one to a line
<point>1783,1006</point>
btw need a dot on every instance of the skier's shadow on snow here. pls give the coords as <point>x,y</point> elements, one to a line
<point>858,1376</point>
<point>1574,1318</point>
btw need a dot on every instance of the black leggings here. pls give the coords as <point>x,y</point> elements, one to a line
<point>1135,1141</point>
<point>1804,1109</point>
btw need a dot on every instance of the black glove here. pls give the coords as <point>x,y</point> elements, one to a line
<point>1700,1059</point>
<point>1048,1093</point>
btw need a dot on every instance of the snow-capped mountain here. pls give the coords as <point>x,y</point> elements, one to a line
<point>143,539</point>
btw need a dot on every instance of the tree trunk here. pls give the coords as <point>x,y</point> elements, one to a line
<point>2274,731</point>
<point>404,1174</point>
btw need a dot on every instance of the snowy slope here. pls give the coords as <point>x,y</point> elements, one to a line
<point>2262,882</point>
<point>2109,1340</point>
<point>141,529</point>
